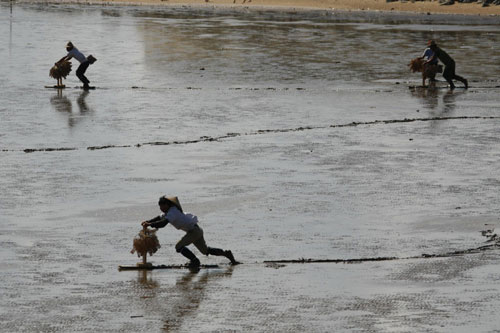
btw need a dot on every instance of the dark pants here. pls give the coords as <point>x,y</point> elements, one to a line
<point>449,75</point>
<point>80,72</point>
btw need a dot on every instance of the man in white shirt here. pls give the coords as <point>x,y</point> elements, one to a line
<point>85,62</point>
<point>173,214</point>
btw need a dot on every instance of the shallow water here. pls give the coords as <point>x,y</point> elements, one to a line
<point>290,137</point>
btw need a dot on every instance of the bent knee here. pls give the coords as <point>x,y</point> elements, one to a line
<point>178,248</point>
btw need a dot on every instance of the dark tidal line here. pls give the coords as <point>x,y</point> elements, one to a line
<point>258,132</point>
<point>480,249</point>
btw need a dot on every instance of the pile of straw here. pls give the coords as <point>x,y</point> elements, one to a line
<point>416,65</point>
<point>61,70</point>
<point>419,65</point>
<point>146,242</point>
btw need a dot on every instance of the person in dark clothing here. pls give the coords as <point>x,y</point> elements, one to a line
<point>449,65</point>
<point>173,214</point>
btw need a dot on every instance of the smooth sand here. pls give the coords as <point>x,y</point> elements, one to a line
<point>430,6</point>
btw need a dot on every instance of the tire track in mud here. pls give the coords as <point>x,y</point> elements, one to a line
<point>258,132</point>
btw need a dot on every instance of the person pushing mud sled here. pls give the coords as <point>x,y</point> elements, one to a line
<point>85,62</point>
<point>172,213</point>
<point>449,65</point>
<point>428,65</point>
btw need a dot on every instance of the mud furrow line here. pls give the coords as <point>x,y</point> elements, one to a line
<point>362,260</point>
<point>282,263</point>
<point>258,132</point>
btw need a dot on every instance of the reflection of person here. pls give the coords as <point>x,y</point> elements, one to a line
<point>428,97</point>
<point>449,101</point>
<point>85,62</point>
<point>173,214</point>
<point>185,297</point>
<point>82,104</point>
<point>449,63</point>
<point>61,103</point>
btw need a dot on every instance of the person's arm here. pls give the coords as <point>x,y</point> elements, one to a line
<point>156,222</point>
<point>159,224</point>
<point>66,57</point>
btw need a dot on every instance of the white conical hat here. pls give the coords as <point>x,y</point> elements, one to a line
<point>173,200</point>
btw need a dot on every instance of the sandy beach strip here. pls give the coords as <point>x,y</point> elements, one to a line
<point>428,6</point>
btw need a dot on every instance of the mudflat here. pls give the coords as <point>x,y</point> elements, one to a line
<point>428,7</point>
<point>355,199</point>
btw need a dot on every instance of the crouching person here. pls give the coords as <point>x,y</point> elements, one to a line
<point>173,214</point>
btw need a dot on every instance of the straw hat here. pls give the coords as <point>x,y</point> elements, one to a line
<point>170,200</point>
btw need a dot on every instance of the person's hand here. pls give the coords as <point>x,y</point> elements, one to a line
<point>145,224</point>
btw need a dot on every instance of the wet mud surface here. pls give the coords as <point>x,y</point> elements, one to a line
<point>354,202</point>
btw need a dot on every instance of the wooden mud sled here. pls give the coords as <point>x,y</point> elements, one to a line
<point>150,267</point>
<point>146,243</point>
<point>64,87</point>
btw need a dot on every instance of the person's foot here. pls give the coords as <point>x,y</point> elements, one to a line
<point>193,269</point>
<point>452,86</point>
<point>466,84</point>
<point>194,263</point>
<point>86,86</point>
<point>229,255</point>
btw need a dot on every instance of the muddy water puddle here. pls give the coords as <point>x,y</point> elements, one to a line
<point>291,137</point>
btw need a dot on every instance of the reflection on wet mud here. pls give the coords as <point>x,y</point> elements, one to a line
<point>178,302</point>
<point>237,46</point>
<point>449,99</point>
<point>145,279</point>
<point>275,50</point>
<point>429,98</point>
<point>111,13</point>
<point>63,104</point>
<point>191,288</point>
